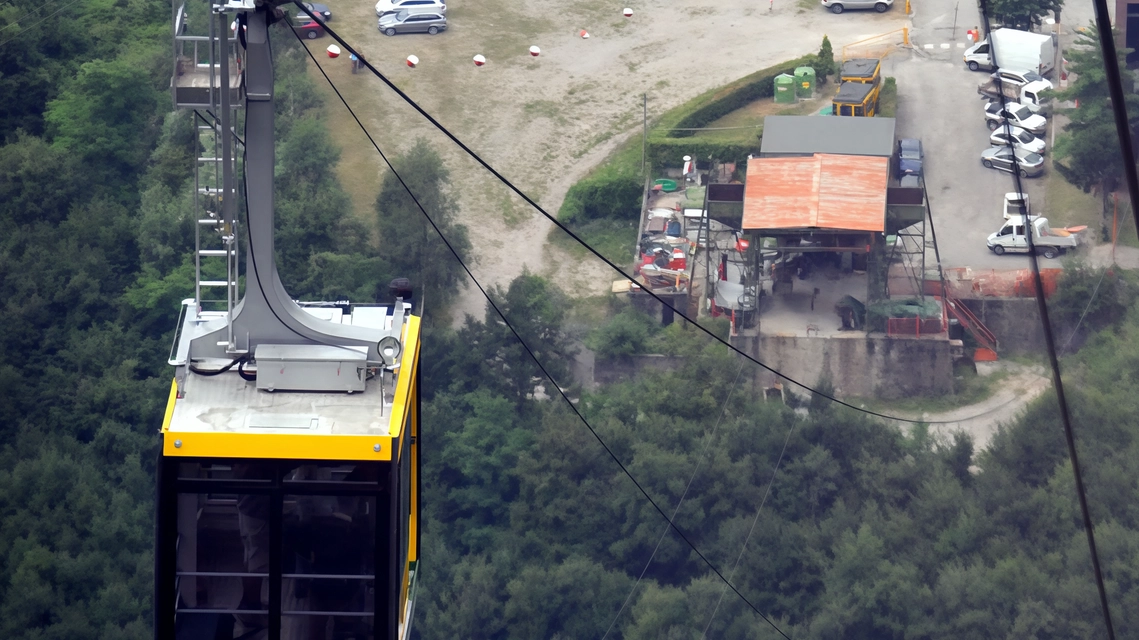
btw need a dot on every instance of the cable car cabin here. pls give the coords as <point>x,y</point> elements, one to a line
<point>288,496</point>
<point>865,70</point>
<point>856,99</point>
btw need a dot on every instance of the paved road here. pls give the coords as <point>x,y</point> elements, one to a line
<point>938,102</point>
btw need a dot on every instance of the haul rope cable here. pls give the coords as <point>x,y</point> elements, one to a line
<point>1042,305</point>
<point>607,261</point>
<point>751,529</point>
<point>691,478</point>
<point>533,356</point>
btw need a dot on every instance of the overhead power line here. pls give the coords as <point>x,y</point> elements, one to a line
<point>1119,107</point>
<point>526,347</point>
<point>510,185</point>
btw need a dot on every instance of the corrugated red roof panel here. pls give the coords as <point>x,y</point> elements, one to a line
<point>823,191</point>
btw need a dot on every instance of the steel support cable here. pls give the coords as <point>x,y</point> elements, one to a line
<point>1119,108</point>
<point>553,219</point>
<point>498,311</point>
<point>751,529</point>
<point>691,478</point>
<point>1087,308</point>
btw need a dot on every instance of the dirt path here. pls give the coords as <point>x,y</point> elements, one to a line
<point>1022,384</point>
<point>544,122</point>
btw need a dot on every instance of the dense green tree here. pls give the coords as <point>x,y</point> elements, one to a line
<point>106,116</point>
<point>407,240</point>
<point>1023,14</point>
<point>824,61</point>
<point>1080,154</point>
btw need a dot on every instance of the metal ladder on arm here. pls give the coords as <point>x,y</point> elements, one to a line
<point>208,80</point>
<point>213,237</point>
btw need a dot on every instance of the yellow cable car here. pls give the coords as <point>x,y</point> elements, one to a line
<point>856,99</point>
<point>288,479</point>
<point>866,70</point>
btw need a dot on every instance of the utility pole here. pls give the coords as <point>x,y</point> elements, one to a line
<point>955,8</point>
<point>644,129</point>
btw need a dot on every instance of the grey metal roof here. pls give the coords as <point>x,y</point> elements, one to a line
<point>860,68</point>
<point>853,92</point>
<point>805,135</point>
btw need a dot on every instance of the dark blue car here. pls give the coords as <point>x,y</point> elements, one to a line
<point>909,157</point>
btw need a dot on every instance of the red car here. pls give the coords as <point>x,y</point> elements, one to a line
<point>308,27</point>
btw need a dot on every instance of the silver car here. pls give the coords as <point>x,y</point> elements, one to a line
<point>409,21</point>
<point>1017,137</point>
<point>838,6</point>
<point>1001,158</point>
<point>393,6</point>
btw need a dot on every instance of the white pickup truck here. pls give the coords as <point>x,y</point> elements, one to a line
<point>1011,238</point>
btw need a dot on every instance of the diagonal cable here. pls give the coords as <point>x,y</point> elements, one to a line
<point>533,356</point>
<point>553,219</point>
<point>1049,338</point>
<point>751,530</point>
<point>691,478</point>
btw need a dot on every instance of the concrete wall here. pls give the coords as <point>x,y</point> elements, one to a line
<point>862,365</point>
<point>610,370</point>
<point>1015,322</point>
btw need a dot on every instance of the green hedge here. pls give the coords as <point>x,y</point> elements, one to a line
<point>888,99</point>
<point>718,103</point>
<point>610,194</point>
<point>670,152</point>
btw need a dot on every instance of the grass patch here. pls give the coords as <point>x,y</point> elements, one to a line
<point>968,388</point>
<point>614,239</point>
<point>806,5</point>
<point>1126,226</point>
<point>888,99</point>
<point>1067,205</point>
<point>513,214</point>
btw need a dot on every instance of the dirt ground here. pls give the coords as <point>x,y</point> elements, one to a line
<point>1020,385</point>
<point>544,122</point>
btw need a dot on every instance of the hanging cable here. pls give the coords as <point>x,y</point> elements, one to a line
<point>607,261</point>
<point>691,478</point>
<point>498,311</point>
<point>751,529</point>
<point>1042,304</point>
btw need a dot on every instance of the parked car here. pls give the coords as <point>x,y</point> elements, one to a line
<point>393,6</point>
<point>321,10</point>
<point>409,21</point>
<point>1021,77</point>
<point>909,157</point>
<point>1011,135</point>
<point>838,6</point>
<point>1016,114</point>
<point>1001,158</point>
<point>308,27</point>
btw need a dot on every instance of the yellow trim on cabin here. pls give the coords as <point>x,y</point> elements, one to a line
<point>291,446</point>
<point>413,522</point>
<point>408,364</point>
<point>307,446</point>
<point>170,400</point>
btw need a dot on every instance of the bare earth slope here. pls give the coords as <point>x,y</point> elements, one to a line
<point>544,122</point>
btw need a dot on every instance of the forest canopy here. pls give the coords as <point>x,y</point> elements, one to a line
<point>832,524</point>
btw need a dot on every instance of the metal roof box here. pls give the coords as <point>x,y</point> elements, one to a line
<point>310,367</point>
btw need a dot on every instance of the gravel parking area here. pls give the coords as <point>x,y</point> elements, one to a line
<point>545,121</point>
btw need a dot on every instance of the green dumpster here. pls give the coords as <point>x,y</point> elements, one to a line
<point>804,82</point>
<point>784,89</point>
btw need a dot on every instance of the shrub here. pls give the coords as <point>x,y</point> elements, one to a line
<point>608,194</point>
<point>720,102</point>
<point>670,152</point>
<point>628,333</point>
